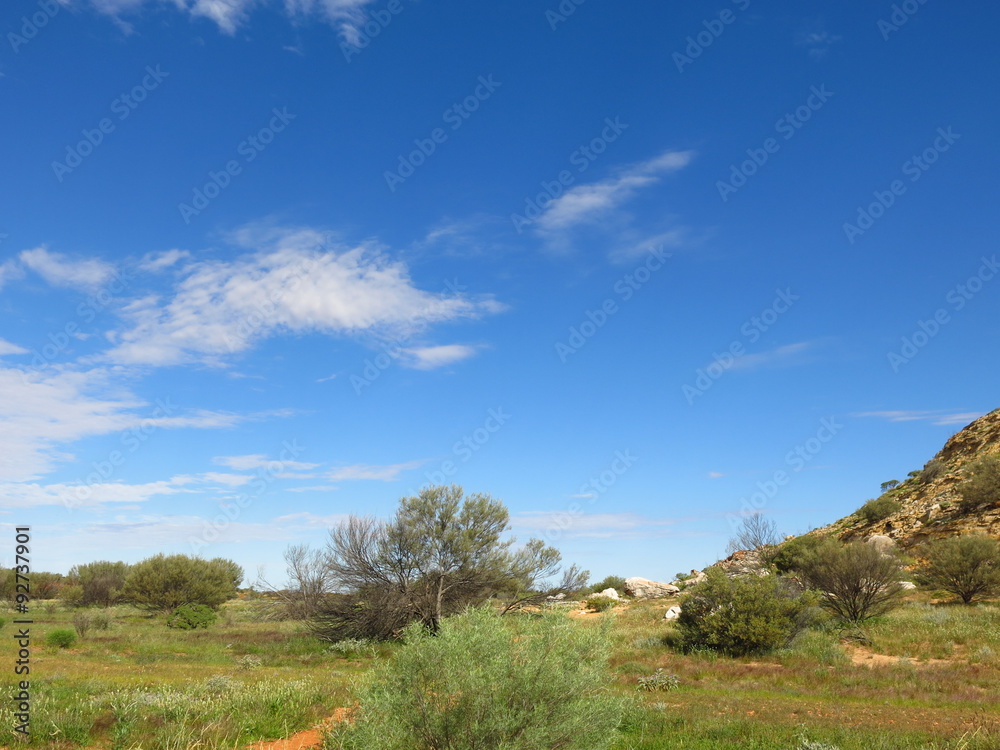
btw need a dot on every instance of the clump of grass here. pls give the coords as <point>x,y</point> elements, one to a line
<point>659,680</point>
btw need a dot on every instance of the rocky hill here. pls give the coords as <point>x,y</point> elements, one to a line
<point>929,503</point>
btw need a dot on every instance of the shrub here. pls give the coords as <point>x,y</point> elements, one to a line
<point>857,580</point>
<point>740,616</point>
<point>100,582</point>
<point>879,509</point>
<point>81,623</point>
<point>164,583</point>
<point>659,680</point>
<point>611,582</point>
<point>982,484</point>
<point>61,638</point>
<point>101,620</point>
<point>353,647</point>
<point>932,470</point>
<point>191,616</point>
<point>488,682</point>
<point>601,603</point>
<point>792,554</point>
<point>72,594</point>
<point>966,566</point>
<point>249,662</point>
<point>3,622</point>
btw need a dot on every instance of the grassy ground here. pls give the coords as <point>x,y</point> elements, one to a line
<point>927,677</point>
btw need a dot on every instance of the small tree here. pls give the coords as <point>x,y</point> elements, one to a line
<point>890,485</point>
<point>164,583</point>
<point>966,566</point>
<point>101,582</point>
<point>982,484</point>
<point>489,682</point>
<point>756,533</point>
<point>740,615</point>
<point>857,581</point>
<point>441,553</point>
<point>792,555</point>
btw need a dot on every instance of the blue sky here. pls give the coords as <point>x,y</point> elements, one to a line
<point>634,271</point>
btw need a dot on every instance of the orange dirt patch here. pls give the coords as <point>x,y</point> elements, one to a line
<point>310,738</point>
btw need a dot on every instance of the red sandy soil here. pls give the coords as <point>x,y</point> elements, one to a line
<point>310,738</point>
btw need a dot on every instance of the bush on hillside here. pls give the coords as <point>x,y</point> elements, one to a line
<point>932,470</point>
<point>878,510</point>
<point>191,617</point>
<point>966,566</point>
<point>982,484</point>
<point>857,581</point>
<point>741,615</point>
<point>483,681</point>
<point>791,555</point>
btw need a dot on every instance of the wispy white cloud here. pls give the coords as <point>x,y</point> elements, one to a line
<point>940,417</point>
<point>430,357</point>
<point>591,203</point>
<point>58,270</point>
<point>295,282</point>
<point>818,43</point>
<point>386,473</point>
<point>314,488</point>
<point>229,15</point>
<point>781,356</point>
<point>156,262</point>
<point>86,495</point>
<point>259,461</point>
<point>10,270</point>
<point>44,411</point>
<point>8,348</point>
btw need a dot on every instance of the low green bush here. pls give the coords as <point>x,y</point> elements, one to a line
<point>878,509</point>
<point>982,484</point>
<point>62,638</point>
<point>192,616</point>
<point>741,615</point>
<point>600,603</point>
<point>485,681</point>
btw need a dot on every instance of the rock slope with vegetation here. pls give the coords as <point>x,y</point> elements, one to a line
<point>929,503</point>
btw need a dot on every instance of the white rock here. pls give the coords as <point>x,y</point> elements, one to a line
<point>643,588</point>
<point>672,614</point>
<point>908,585</point>
<point>610,593</point>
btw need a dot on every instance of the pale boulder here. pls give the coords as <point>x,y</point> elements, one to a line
<point>643,588</point>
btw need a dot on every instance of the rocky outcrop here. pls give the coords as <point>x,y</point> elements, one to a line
<point>643,588</point>
<point>610,593</point>
<point>929,503</point>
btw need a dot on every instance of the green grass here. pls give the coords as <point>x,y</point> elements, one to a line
<point>933,683</point>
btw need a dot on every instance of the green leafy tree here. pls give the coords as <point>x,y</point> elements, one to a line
<point>490,683</point>
<point>982,484</point>
<point>966,566</point>
<point>164,583</point>
<point>740,615</point>
<point>101,581</point>
<point>857,581</point>
<point>442,552</point>
<point>890,485</point>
